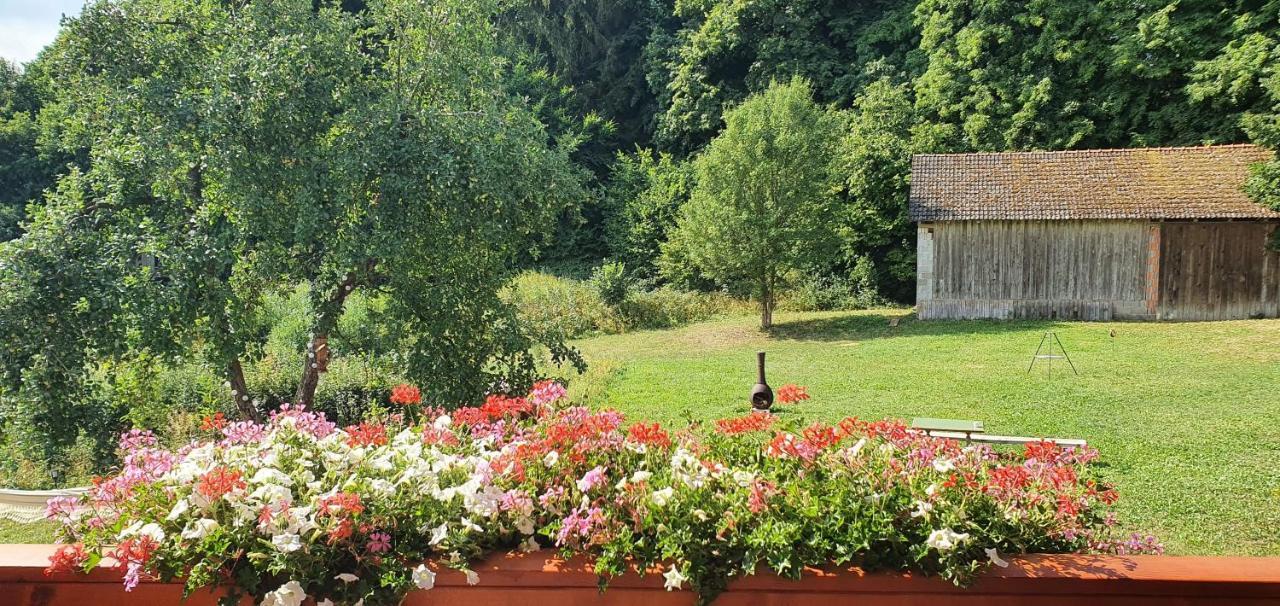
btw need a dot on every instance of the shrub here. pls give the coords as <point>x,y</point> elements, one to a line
<point>300,508</point>
<point>667,307</point>
<point>561,307</point>
<point>611,283</point>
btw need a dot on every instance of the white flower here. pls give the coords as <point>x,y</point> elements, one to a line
<point>443,422</point>
<point>424,577</point>
<point>743,478</point>
<point>438,534</point>
<point>551,458</point>
<point>152,530</point>
<point>525,525</point>
<point>922,509</point>
<point>179,508</point>
<point>663,496</point>
<point>470,526</point>
<point>289,594</point>
<point>994,556</point>
<point>945,539</point>
<point>530,545</point>
<point>287,542</point>
<point>943,465</point>
<point>640,476</point>
<point>472,577</point>
<point>674,578</point>
<point>199,529</point>
<point>267,475</point>
<point>930,489</point>
<point>346,577</point>
<point>325,602</point>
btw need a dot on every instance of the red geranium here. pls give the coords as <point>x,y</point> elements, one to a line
<point>213,422</point>
<point>67,558</point>
<point>366,434</point>
<point>650,434</point>
<point>406,394</point>
<point>756,421</point>
<point>790,394</point>
<point>220,481</point>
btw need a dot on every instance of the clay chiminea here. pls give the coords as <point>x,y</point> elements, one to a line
<point>761,395</point>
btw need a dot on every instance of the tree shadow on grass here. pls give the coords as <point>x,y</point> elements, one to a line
<point>863,327</point>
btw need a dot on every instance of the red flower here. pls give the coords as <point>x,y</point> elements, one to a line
<point>342,504</point>
<point>406,394</point>
<point>650,434</point>
<point>756,421</point>
<point>1042,451</point>
<point>366,434</point>
<point>790,393</point>
<point>761,490</point>
<point>220,481</point>
<point>67,558</point>
<point>214,422</point>
<point>820,436</point>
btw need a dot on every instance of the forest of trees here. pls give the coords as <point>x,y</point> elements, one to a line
<point>640,87</point>
<point>176,184</point>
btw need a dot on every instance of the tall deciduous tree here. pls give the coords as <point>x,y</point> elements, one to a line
<point>761,206</point>
<point>238,148</point>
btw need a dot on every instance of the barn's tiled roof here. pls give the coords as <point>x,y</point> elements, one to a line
<point>1148,183</point>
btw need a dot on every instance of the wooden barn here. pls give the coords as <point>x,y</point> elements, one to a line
<point>1139,234</point>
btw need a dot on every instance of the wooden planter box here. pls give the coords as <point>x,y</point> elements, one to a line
<point>541,579</point>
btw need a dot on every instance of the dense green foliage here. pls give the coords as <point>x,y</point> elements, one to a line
<point>760,209</point>
<point>240,150</point>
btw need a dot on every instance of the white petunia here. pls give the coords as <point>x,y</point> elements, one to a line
<point>674,578</point>
<point>663,496</point>
<point>443,422</point>
<point>199,529</point>
<point>525,525</point>
<point>325,602</point>
<point>470,526</point>
<point>423,577</point>
<point>289,594</point>
<point>438,534</point>
<point>945,539</point>
<point>179,508</point>
<point>550,459</point>
<point>922,509</point>
<point>472,577</point>
<point>152,530</point>
<point>640,476</point>
<point>346,577</point>
<point>530,545</point>
<point>994,556</point>
<point>287,542</point>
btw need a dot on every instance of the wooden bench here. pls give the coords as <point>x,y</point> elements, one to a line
<point>974,431</point>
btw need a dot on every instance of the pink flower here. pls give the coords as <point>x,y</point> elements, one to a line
<point>379,542</point>
<point>58,507</point>
<point>546,392</point>
<point>579,524</point>
<point>591,479</point>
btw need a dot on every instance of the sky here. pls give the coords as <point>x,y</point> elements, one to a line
<point>26,26</point>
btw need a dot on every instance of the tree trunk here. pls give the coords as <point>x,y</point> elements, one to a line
<point>240,392</point>
<point>316,360</point>
<point>766,305</point>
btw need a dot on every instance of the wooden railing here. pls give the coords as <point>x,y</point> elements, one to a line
<point>540,579</point>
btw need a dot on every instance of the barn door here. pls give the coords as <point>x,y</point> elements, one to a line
<point>1218,271</point>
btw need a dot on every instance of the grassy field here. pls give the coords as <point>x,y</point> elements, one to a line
<point>13,532</point>
<point>1186,416</point>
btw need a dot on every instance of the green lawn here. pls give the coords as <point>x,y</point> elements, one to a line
<point>37,532</point>
<point>1186,416</point>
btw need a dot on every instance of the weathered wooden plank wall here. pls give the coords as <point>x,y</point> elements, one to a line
<point>1087,270</point>
<point>1218,271</point>
<point>1098,270</point>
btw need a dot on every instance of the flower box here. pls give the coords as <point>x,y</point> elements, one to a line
<point>524,578</point>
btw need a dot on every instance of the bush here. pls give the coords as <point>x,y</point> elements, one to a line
<point>551,306</point>
<point>667,308</point>
<point>611,283</point>
<point>751,493</point>
<point>834,293</point>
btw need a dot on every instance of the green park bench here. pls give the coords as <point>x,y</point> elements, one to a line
<point>974,431</point>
